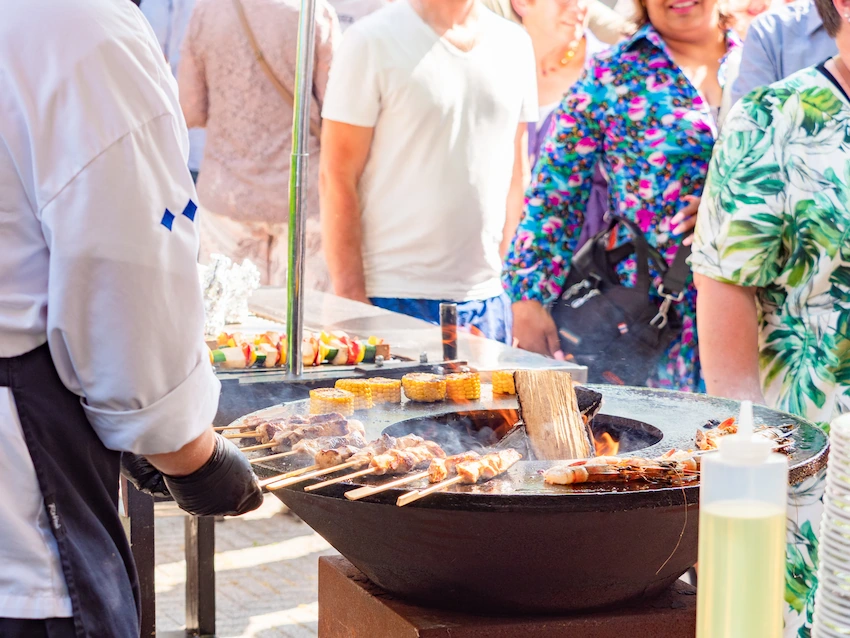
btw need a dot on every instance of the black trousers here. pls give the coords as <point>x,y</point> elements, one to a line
<point>49,628</point>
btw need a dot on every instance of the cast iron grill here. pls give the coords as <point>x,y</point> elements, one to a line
<point>517,545</point>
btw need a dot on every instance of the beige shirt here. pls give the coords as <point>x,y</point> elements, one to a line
<point>245,170</point>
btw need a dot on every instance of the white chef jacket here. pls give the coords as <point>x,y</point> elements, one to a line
<point>98,246</point>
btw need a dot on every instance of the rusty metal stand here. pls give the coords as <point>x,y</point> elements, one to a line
<point>200,566</point>
<point>138,508</point>
<point>200,575</point>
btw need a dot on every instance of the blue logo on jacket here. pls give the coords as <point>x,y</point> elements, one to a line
<point>189,212</point>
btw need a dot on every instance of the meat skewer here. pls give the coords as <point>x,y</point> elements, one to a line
<point>280,477</point>
<point>358,459</point>
<point>311,447</point>
<point>279,482</point>
<point>285,436</point>
<point>707,438</point>
<point>371,490</point>
<point>468,472</point>
<point>439,467</point>
<point>395,461</point>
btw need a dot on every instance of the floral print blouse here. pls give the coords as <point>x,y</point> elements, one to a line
<point>634,110</point>
<point>776,216</point>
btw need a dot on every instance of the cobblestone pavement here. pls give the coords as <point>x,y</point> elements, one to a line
<point>266,580</point>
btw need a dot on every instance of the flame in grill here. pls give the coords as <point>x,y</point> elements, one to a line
<point>606,445</point>
<point>509,420</point>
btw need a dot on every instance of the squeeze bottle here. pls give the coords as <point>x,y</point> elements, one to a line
<point>742,517</point>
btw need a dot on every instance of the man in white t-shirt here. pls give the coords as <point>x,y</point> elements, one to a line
<point>422,147</point>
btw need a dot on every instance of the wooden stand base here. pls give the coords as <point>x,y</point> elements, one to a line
<point>350,606</point>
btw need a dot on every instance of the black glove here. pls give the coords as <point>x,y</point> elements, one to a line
<point>143,475</point>
<point>224,486</point>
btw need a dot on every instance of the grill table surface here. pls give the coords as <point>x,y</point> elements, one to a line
<point>350,606</point>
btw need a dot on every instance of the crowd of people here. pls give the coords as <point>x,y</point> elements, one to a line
<point>474,150</point>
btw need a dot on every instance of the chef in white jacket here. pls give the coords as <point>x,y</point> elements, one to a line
<point>101,314</point>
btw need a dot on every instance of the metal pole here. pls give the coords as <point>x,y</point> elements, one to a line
<point>298,184</point>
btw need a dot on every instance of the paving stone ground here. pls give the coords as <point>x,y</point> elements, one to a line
<point>266,574</point>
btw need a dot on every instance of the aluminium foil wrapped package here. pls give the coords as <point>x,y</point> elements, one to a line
<point>226,288</point>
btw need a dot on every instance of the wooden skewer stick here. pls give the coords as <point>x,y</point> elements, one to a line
<point>264,446</point>
<point>272,457</point>
<point>340,479</point>
<point>280,477</point>
<point>241,435</point>
<point>370,490</point>
<point>415,495</point>
<point>305,477</point>
<point>222,428</point>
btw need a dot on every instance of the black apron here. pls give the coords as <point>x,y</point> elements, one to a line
<point>78,478</point>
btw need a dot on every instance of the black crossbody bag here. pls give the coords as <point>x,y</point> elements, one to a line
<point>620,333</point>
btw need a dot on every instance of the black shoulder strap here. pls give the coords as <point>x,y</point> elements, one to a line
<point>676,276</point>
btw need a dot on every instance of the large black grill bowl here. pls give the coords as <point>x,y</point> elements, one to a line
<point>516,545</point>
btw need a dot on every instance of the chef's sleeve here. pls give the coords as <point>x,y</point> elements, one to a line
<point>125,310</point>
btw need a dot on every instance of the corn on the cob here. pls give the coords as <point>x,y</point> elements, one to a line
<point>463,386</point>
<point>385,390</point>
<point>503,382</point>
<point>423,387</point>
<point>360,389</point>
<point>327,400</point>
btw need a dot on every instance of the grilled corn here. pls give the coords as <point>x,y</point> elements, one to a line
<point>385,390</point>
<point>503,382</point>
<point>360,389</point>
<point>327,400</point>
<point>463,386</point>
<point>425,388</point>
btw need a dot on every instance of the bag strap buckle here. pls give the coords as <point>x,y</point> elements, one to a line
<point>660,320</point>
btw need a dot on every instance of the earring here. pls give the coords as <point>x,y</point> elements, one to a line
<point>847,16</point>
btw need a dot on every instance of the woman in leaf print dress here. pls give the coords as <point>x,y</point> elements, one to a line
<point>646,109</point>
<point>772,262</point>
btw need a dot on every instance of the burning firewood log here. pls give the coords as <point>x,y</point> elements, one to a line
<point>549,408</point>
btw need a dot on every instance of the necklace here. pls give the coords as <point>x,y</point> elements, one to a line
<point>569,54</point>
<point>571,51</point>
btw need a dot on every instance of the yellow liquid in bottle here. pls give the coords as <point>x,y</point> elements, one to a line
<point>740,592</point>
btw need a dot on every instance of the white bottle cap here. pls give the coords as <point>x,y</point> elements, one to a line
<point>745,448</point>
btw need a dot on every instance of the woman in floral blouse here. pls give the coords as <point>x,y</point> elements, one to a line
<point>647,110</point>
<point>772,262</point>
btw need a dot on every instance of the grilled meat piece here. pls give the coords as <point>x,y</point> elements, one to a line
<point>402,461</point>
<point>441,469</point>
<point>487,466</point>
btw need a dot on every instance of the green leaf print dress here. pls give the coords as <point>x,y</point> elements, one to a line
<point>775,215</point>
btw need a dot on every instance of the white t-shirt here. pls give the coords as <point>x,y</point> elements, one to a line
<point>433,192</point>
<point>93,150</point>
<point>350,11</point>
